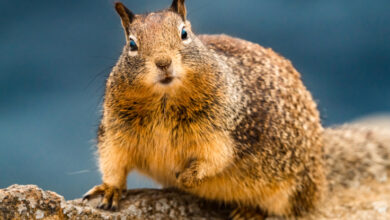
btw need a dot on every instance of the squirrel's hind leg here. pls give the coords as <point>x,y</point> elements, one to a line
<point>244,213</point>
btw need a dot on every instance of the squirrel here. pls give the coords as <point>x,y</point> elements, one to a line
<point>356,153</point>
<point>216,116</point>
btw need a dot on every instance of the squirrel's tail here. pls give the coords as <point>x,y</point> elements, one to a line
<point>357,152</point>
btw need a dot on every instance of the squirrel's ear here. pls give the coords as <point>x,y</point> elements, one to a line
<point>179,7</point>
<point>126,15</point>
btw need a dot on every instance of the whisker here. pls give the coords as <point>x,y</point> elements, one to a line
<point>78,172</point>
<point>100,73</point>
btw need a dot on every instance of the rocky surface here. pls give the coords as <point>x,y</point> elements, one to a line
<point>368,201</point>
<point>31,202</point>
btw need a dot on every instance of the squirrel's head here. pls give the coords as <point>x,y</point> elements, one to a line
<point>161,51</point>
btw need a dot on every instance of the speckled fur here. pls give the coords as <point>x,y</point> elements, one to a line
<point>355,154</point>
<point>236,125</point>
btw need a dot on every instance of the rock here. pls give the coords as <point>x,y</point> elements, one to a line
<point>29,202</point>
<point>368,201</point>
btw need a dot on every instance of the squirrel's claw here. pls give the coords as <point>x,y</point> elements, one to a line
<point>189,179</point>
<point>95,191</point>
<point>111,196</point>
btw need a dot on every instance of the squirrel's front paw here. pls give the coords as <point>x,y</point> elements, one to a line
<point>189,178</point>
<point>111,196</point>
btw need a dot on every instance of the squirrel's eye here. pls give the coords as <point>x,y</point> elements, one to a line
<point>133,45</point>
<point>184,34</point>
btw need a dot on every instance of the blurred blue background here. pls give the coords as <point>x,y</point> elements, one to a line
<point>55,56</point>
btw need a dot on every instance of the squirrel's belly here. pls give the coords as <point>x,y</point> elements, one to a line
<point>161,176</point>
<point>160,161</point>
<point>160,169</point>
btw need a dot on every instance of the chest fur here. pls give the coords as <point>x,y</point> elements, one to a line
<point>163,135</point>
<point>162,148</point>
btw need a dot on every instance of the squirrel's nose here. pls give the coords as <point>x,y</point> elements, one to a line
<point>163,62</point>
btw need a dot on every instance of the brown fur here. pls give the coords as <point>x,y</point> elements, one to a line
<point>355,154</point>
<point>235,125</point>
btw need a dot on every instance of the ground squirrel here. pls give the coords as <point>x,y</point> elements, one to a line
<point>216,116</point>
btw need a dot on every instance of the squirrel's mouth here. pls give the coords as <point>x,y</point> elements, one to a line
<point>165,77</point>
<point>166,80</point>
